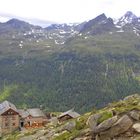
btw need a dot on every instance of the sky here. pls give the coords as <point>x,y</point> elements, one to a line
<point>65,11</point>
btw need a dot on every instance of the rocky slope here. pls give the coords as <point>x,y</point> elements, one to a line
<point>118,121</point>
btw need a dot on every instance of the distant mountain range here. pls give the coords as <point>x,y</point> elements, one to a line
<point>97,25</point>
<point>128,17</point>
<point>61,32</point>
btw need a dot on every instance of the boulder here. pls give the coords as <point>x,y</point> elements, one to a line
<point>69,126</point>
<point>106,124</point>
<point>121,126</point>
<point>92,121</point>
<point>135,115</point>
<point>136,127</point>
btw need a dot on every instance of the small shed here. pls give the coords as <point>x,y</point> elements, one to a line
<point>70,114</point>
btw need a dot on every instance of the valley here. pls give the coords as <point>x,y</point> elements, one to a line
<point>62,66</point>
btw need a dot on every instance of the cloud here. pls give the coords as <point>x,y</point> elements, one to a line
<point>67,10</point>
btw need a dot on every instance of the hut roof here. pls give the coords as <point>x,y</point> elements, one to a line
<point>6,105</point>
<point>34,112</point>
<point>71,113</point>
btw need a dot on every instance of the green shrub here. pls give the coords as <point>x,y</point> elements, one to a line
<point>79,125</point>
<point>105,115</point>
<point>63,136</point>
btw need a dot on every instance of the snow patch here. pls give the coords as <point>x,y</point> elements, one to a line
<point>21,46</point>
<point>13,36</point>
<point>117,26</point>
<point>33,31</point>
<point>57,42</point>
<point>63,32</point>
<point>48,46</point>
<point>72,24</point>
<point>62,43</point>
<point>115,21</point>
<point>50,37</point>
<point>29,33</point>
<point>135,31</point>
<point>120,31</point>
<point>103,22</point>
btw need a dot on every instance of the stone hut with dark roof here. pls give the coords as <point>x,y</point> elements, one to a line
<point>70,114</point>
<point>32,118</point>
<point>9,117</point>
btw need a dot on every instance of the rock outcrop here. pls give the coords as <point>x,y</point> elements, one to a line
<point>136,127</point>
<point>123,122</point>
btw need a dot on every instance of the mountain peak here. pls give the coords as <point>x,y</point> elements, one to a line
<point>14,20</point>
<point>19,24</point>
<point>101,17</point>
<point>127,18</point>
<point>130,15</point>
<point>98,25</point>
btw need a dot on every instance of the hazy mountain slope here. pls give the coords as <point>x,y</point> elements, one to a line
<point>67,66</point>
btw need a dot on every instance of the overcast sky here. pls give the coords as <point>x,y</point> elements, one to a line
<point>67,11</point>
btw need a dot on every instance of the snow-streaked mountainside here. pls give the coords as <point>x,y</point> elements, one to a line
<point>20,34</point>
<point>16,35</point>
<point>128,18</point>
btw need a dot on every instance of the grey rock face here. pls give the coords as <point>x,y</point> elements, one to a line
<point>135,115</point>
<point>121,126</point>
<point>106,124</point>
<point>136,127</point>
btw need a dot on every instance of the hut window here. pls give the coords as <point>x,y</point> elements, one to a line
<point>14,124</point>
<point>6,124</point>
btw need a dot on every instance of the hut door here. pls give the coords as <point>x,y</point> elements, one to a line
<point>22,124</point>
<point>29,124</point>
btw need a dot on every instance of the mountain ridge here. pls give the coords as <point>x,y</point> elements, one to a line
<point>127,14</point>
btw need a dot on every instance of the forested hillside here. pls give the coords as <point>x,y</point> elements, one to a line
<point>70,80</point>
